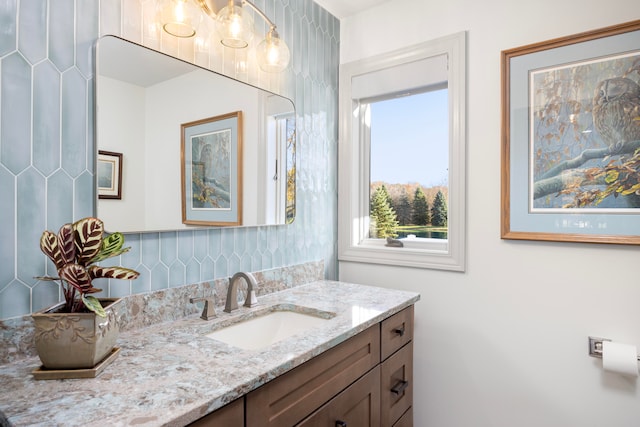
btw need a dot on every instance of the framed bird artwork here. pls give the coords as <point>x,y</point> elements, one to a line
<point>211,170</point>
<point>571,138</point>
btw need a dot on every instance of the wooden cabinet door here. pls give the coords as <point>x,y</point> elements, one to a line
<point>291,397</point>
<point>397,385</point>
<point>357,406</point>
<point>406,420</point>
<point>395,332</point>
<point>231,415</point>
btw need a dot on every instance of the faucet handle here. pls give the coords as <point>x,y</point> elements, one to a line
<point>209,310</point>
<point>251,300</point>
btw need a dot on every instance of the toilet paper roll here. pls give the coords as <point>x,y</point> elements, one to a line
<point>620,358</point>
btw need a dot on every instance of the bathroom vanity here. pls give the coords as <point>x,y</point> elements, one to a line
<point>353,369</point>
<point>364,381</point>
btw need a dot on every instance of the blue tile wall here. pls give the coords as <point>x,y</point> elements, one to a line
<point>47,145</point>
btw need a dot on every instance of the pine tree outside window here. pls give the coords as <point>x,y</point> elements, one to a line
<point>384,220</point>
<point>421,214</point>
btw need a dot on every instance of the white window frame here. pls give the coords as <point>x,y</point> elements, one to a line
<point>353,166</point>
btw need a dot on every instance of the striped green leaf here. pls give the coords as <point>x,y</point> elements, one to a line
<point>88,239</point>
<point>51,248</point>
<point>111,246</point>
<point>93,304</point>
<point>121,273</point>
<point>76,276</point>
<point>66,243</point>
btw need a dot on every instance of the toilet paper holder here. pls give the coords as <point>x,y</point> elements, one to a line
<point>595,346</point>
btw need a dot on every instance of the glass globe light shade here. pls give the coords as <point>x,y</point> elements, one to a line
<point>180,18</point>
<point>234,26</point>
<point>273,53</point>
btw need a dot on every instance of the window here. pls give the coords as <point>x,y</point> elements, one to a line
<point>409,167</point>
<point>402,128</point>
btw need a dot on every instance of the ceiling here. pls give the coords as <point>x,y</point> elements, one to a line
<point>343,8</point>
<point>145,67</point>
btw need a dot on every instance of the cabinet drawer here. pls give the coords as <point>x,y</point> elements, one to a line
<point>231,415</point>
<point>396,331</point>
<point>289,398</point>
<point>405,420</point>
<point>357,406</point>
<point>397,385</point>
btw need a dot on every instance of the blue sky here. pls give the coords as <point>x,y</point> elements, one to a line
<point>409,139</point>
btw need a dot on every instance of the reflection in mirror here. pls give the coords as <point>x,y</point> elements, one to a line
<point>142,99</point>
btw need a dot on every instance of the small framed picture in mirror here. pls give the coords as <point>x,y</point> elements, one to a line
<point>109,175</point>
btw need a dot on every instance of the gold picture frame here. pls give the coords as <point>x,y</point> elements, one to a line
<point>570,169</point>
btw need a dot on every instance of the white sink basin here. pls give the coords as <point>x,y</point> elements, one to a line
<point>266,329</point>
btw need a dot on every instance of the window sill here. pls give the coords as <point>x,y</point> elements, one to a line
<point>430,255</point>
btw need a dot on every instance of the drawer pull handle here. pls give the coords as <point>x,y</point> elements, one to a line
<point>341,424</point>
<point>399,387</point>
<point>399,331</point>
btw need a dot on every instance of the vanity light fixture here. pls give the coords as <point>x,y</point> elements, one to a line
<point>273,53</point>
<point>234,26</point>
<point>180,18</point>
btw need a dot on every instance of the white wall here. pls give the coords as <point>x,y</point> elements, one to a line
<point>163,130</point>
<point>124,103</point>
<point>505,344</point>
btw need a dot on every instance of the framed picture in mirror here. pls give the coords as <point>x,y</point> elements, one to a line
<point>211,170</point>
<point>109,175</point>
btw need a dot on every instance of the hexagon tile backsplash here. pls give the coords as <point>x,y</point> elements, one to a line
<point>47,145</point>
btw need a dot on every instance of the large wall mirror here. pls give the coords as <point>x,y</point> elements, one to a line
<point>144,99</point>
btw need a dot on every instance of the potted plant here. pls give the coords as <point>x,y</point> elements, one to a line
<point>81,331</point>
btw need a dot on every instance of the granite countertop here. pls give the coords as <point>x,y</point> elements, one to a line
<point>170,374</point>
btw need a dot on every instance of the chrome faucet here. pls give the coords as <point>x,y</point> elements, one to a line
<point>209,310</point>
<point>232,292</point>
